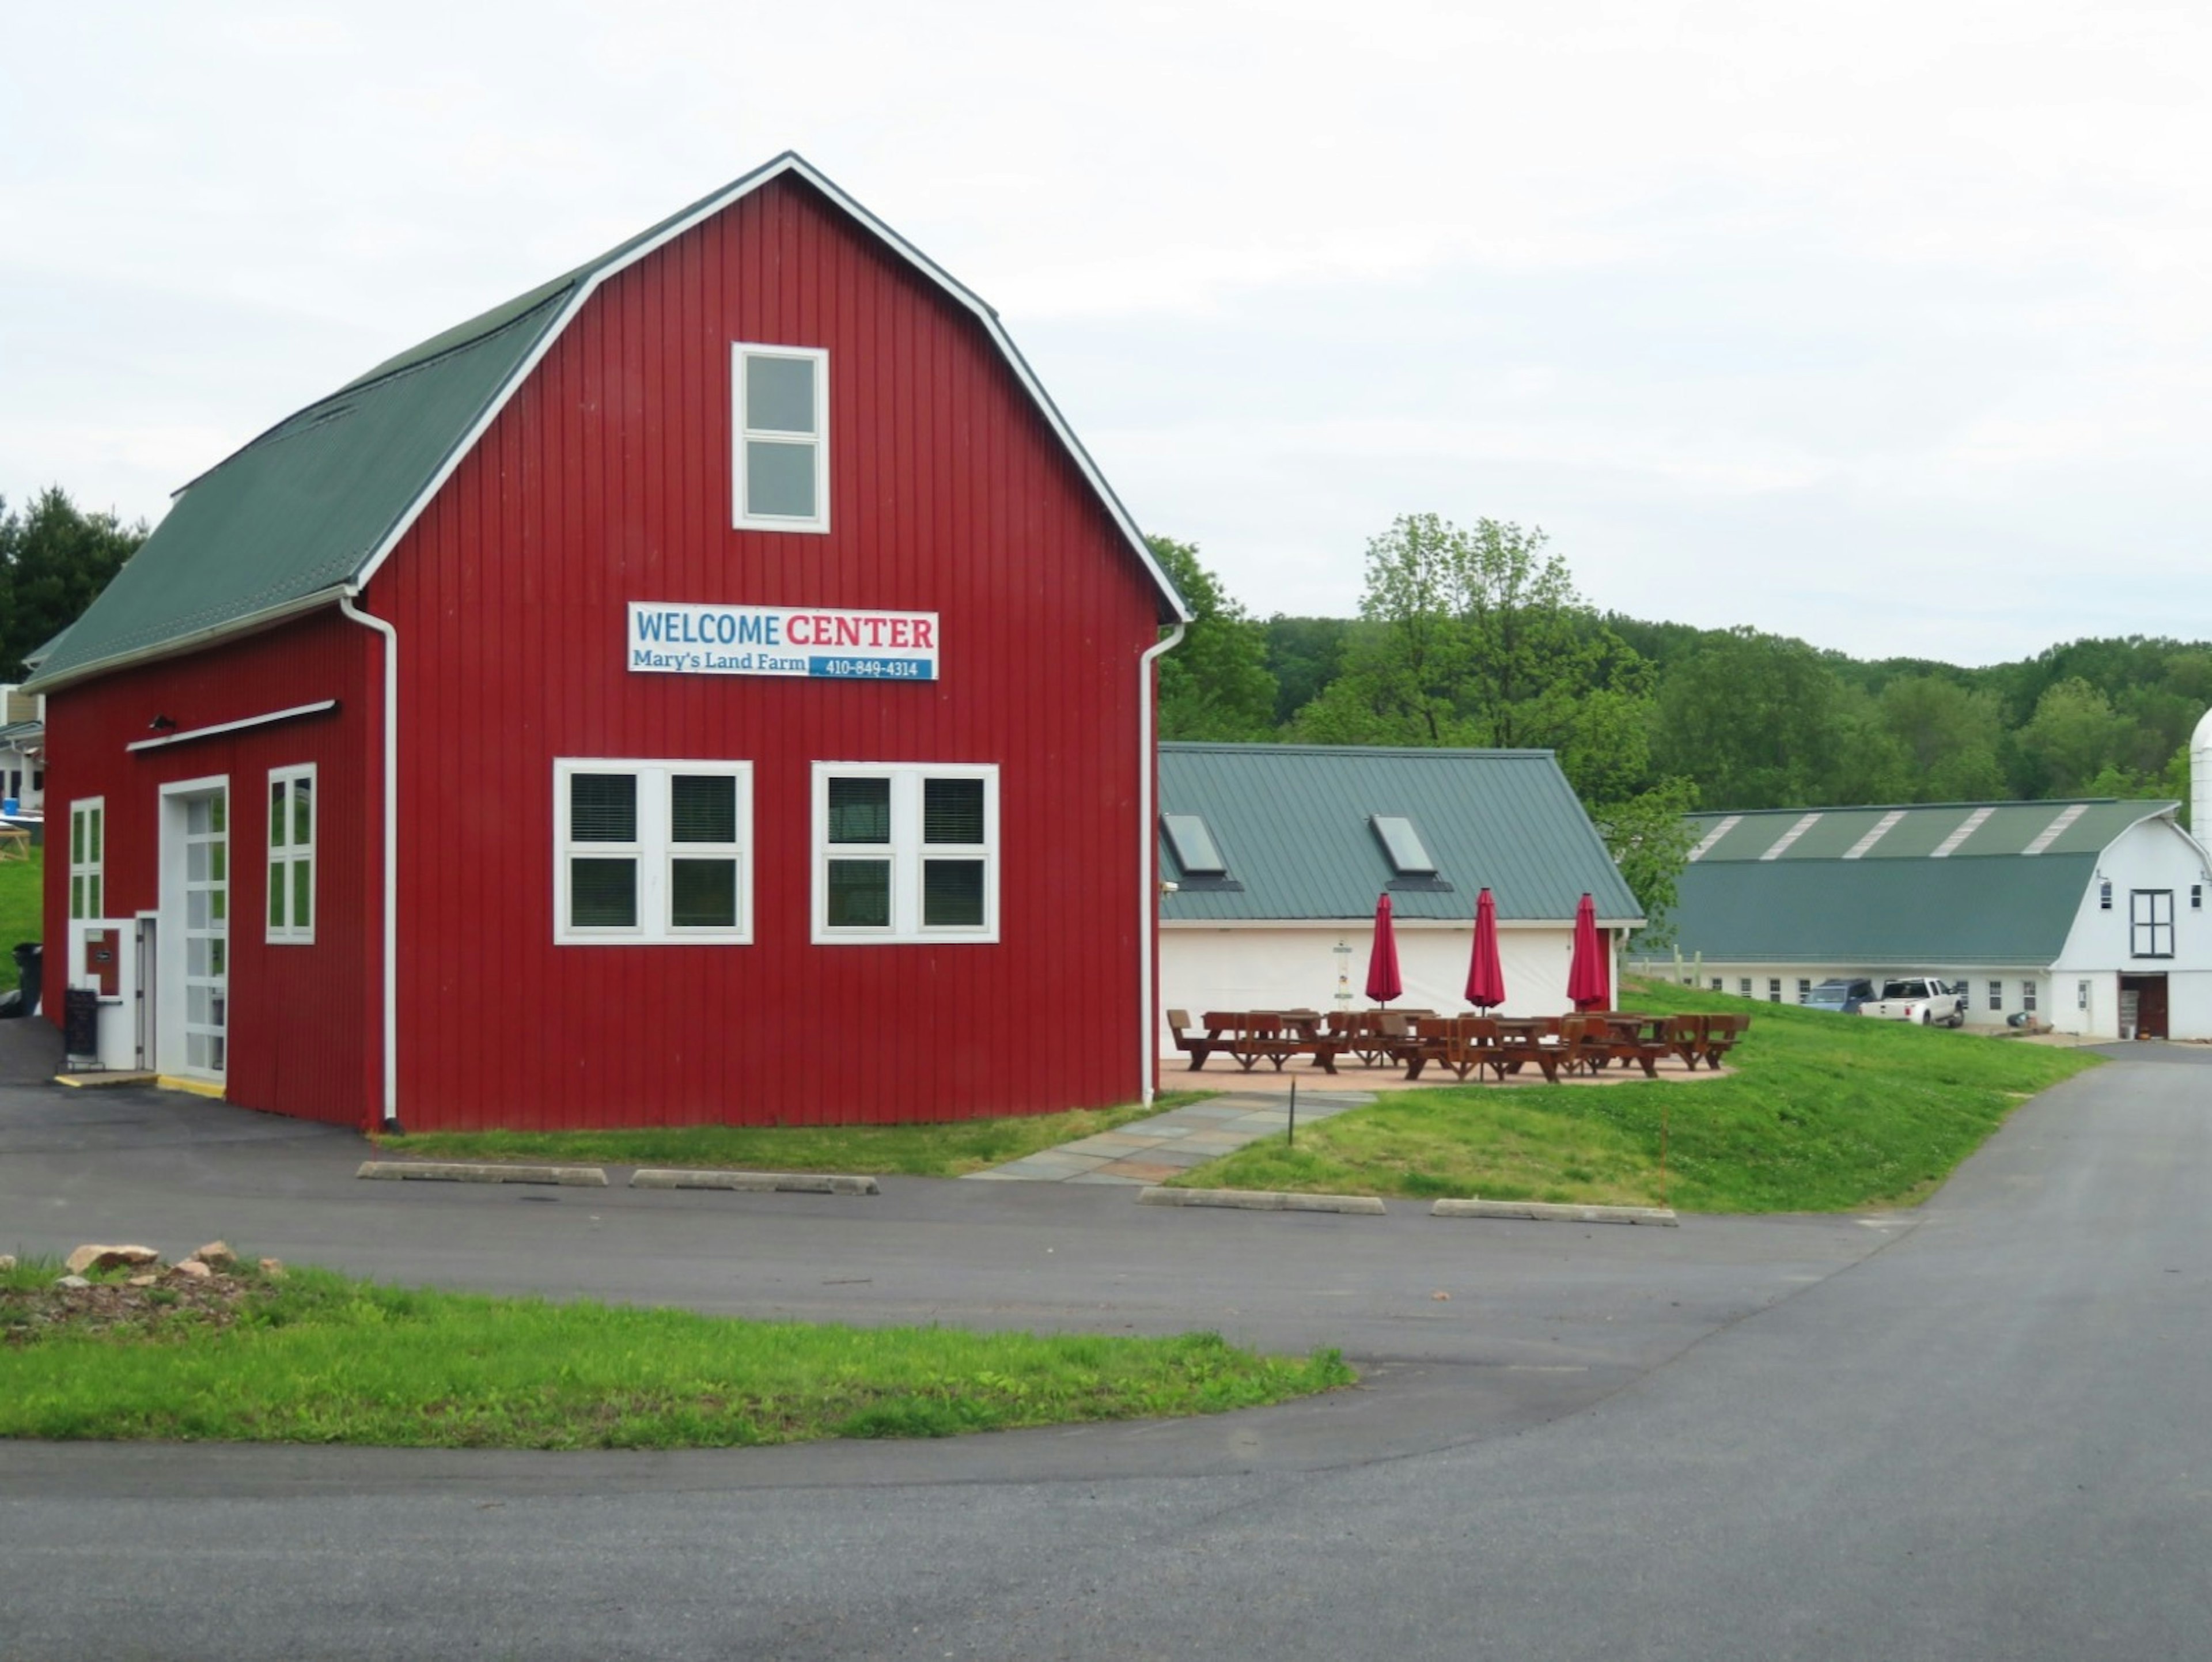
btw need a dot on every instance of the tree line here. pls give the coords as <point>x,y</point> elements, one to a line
<point>1477,636</point>
<point>54,560</point>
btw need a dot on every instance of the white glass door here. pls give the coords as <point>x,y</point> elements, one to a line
<point>206,931</point>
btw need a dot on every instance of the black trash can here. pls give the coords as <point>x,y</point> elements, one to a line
<point>30,971</point>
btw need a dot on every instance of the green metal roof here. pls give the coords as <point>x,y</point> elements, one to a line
<point>1918,831</point>
<point>293,517</point>
<point>1894,913</point>
<point>312,506</point>
<point>1933,884</point>
<point>1292,822</point>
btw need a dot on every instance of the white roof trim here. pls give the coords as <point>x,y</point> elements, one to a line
<point>190,734</point>
<point>1782,843</point>
<point>1888,823</point>
<point>790,162</point>
<point>2051,832</point>
<point>1966,828</point>
<point>1715,835</point>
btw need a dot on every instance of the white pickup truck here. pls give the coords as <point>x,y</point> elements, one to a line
<point>1917,998</point>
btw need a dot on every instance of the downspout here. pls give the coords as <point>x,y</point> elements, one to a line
<point>1148,898</point>
<point>391,1117</point>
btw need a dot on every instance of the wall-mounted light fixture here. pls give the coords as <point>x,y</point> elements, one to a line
<point>160,724</point>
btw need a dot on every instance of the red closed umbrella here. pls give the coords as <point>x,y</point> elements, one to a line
<point>1486,976</point>
<point>1589,977</point>
<point>1383,983</point>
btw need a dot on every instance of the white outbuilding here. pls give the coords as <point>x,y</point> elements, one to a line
<point>1278,854</point>
<point>2088,915</point>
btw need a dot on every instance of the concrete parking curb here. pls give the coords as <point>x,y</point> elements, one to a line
<point>781,1183</point>
<point>427,1171</point>
<point>1549,1212</point>
<point>1258,1200</point>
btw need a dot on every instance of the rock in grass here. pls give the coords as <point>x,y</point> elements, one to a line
<point>72,1282</point>
<point>191,1269</point>
<point>110,1258</point>
<point>142,1281</point>
<point>217,1255</point>
<point>273,1267</point>
<point>7,1262</point>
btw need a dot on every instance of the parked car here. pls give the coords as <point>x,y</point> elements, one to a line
<point>1922,999</point>
<point>1841,994</point>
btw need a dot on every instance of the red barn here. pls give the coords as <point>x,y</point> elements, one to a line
<point>714,686</point>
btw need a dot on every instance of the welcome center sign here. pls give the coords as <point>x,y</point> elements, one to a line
<point>755,639</point>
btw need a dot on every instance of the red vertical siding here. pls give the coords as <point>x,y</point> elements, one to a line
<point>607,480</point>
<point>298,1040</point>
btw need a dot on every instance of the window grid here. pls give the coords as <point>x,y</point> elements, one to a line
<point>652,852</point>
<point>905,853</point>
<point>88,857</point>
<point>779,413</point>
<point>1774,989</point>
<point>1743,986</point>
<point>292,855</point>
<point>2150,922</point>
<point>2027,996</point>
<point>1804,990</point>
<point>1997,995</point>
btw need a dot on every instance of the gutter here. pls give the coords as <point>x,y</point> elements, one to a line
<point>1148,898</point>
<point>391,1105</point>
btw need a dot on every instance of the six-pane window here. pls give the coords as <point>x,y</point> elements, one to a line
<point>1997,995</point>
<point>2150,922</point>
<point>652,851</point>
<point>781,472</point>
<point>2027,996</point>
<point>1804,989</point>
<point>292,853</point>
<point>905,853</point>
<point>88,846</point>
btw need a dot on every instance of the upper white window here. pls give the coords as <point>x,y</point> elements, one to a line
<point>652,851</point>
<point>905,853</point>
<point>780,416</point>
<point>292,853</point>
<point>87,852</point>
<point>2150,922</point>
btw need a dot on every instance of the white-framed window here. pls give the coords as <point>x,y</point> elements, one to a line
<point>2082,994</point>
<point>779,420</point>
<point>905,852</point>
<point>1716,983</point>
<point>2027,996</point>
<point>1743,986</point>
<point>652,852</point>
<point>1774,989</point>
<point>1804,989</point>
<point>2150,922</point>
<point>292,853</point>
<point>88,857</point>
<point>1997,995</point>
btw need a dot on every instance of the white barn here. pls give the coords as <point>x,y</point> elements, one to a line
<point>2087,915</point>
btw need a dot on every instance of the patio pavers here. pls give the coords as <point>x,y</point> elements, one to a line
<point>1167,1145</point>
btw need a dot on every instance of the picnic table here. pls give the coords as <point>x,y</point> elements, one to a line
<point>1249,1037</point>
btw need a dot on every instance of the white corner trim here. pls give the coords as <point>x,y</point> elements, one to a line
<point>1148,853</point>
<point>244,721</point>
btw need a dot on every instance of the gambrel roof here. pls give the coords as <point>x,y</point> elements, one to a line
<point>1940,885</point>
<point>307,511</point>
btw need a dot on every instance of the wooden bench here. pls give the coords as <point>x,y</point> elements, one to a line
<point>1722,1034</point>
<point>1250,1036</point>
<point>1635,1040</point>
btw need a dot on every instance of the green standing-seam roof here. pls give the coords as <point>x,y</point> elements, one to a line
<point>1936,886</point>
<point>1292,825</point>
<point>308,510</point>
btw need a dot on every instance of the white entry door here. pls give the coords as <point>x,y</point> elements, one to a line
<point>194,936</point>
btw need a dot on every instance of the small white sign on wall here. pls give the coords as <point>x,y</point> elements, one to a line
<point>666,639</point>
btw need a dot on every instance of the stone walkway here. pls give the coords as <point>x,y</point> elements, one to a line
<point>1167,1145</point>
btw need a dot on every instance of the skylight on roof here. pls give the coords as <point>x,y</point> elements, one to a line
<point>1194,850</point>
<point>1404,845</point>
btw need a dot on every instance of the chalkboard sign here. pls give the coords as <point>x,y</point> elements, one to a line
<point>81,1021</point>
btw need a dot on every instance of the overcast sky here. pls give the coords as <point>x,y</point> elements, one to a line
<point>1886,325</point>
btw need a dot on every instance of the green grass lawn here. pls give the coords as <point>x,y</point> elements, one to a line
<point>312,1357</point>
<point>1823,1113</point>
<point>20,917</point>
<point>927,1151</point>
